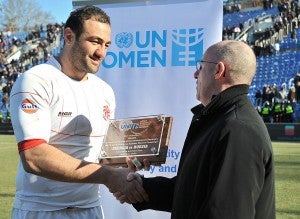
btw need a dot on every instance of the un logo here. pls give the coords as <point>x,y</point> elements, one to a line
<point>124,40</point>
<point>187,46</point>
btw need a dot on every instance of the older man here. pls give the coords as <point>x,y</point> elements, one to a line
<point>226,169</point>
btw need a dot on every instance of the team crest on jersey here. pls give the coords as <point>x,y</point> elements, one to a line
<point>106,112</point>
<point>29,106</point>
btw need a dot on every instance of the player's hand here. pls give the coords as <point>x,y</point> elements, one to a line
<point>132,190</point>
<point>120,196</point>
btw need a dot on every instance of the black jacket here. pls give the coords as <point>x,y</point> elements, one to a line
<point>226,170</point>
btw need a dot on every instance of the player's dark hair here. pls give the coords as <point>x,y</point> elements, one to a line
<point>78,16</point>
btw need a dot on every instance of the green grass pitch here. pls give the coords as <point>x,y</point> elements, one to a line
<point>287,170</point>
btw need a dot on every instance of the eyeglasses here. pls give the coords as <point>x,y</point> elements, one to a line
<point>198,64</point>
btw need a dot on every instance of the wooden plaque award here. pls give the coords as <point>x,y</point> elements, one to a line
<point>140,137</point>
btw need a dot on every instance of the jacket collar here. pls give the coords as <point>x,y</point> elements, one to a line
<point>222,100</point>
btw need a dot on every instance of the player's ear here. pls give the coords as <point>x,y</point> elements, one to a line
<point>69,35</point>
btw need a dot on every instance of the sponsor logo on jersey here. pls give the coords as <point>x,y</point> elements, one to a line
<point>29,106</point>
<point>64,114</point>
<point>106,112</point>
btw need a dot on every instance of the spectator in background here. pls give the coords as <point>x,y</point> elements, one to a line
<point>266,112</point>
<point>265,4</point>
<point>292,95</point>
<point>241,25</point>
<point>287,112</point>
<point>5,108</point>
<point>6,89</point>
<point>282,94</point>
<point>268,94</point>
<point>294,35</point>
<point>274,93</point>
<point>276,48</point>
<point>3,81</point>
<point>277,111</point>
<point>297,87</point>
<point>236,31</point>
<point>258,98</point>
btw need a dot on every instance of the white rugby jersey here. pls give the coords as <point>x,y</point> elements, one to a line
<point>68,114</point>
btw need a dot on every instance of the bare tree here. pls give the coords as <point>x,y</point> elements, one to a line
<point>22,15</point>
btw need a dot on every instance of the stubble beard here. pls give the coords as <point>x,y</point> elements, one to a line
<point>82,62</point>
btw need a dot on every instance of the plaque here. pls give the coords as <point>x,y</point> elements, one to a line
<point>140,137</point>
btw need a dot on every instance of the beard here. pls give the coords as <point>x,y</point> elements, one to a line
<point>81,61</point>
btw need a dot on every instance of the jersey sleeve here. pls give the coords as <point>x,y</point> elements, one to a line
<point>30,108</point>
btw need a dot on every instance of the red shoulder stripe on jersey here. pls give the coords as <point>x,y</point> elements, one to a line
<point>26,144</point>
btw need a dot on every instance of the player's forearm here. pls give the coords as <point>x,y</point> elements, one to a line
<point>49,162</point>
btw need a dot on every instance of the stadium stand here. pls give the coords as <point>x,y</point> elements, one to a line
<point>274,34</point>
<point>21,51</point>
<point>273,31</point>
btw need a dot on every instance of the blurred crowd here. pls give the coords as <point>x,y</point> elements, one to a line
<point>267,41</point>
<point>286,23</point>
<point>21,51</point>
<point>278,104</point>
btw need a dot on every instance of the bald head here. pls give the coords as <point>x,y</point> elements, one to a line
<point>238,58</point>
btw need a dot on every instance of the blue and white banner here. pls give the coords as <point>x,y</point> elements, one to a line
<point>150,66</point>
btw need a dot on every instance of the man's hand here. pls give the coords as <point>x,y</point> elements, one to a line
<point>134,164</point>
<point>117,181</point>
<point>122,198</point>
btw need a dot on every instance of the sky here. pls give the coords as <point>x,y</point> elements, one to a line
<point>60,9</point>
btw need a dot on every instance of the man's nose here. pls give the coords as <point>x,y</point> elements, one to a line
<point>196,74</point>
<point>101,51</point>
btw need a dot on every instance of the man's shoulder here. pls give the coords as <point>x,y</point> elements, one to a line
<point>99,82</point>
<point>245,116</point>
<point>42,69</point>
<point>39,74</point>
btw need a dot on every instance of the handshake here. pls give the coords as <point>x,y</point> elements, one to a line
<point>125,184</point>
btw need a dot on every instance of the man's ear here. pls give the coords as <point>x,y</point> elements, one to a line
<point>69,35</point>
<point>221,71</point>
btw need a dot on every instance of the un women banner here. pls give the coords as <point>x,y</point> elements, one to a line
<point>150,66</point>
